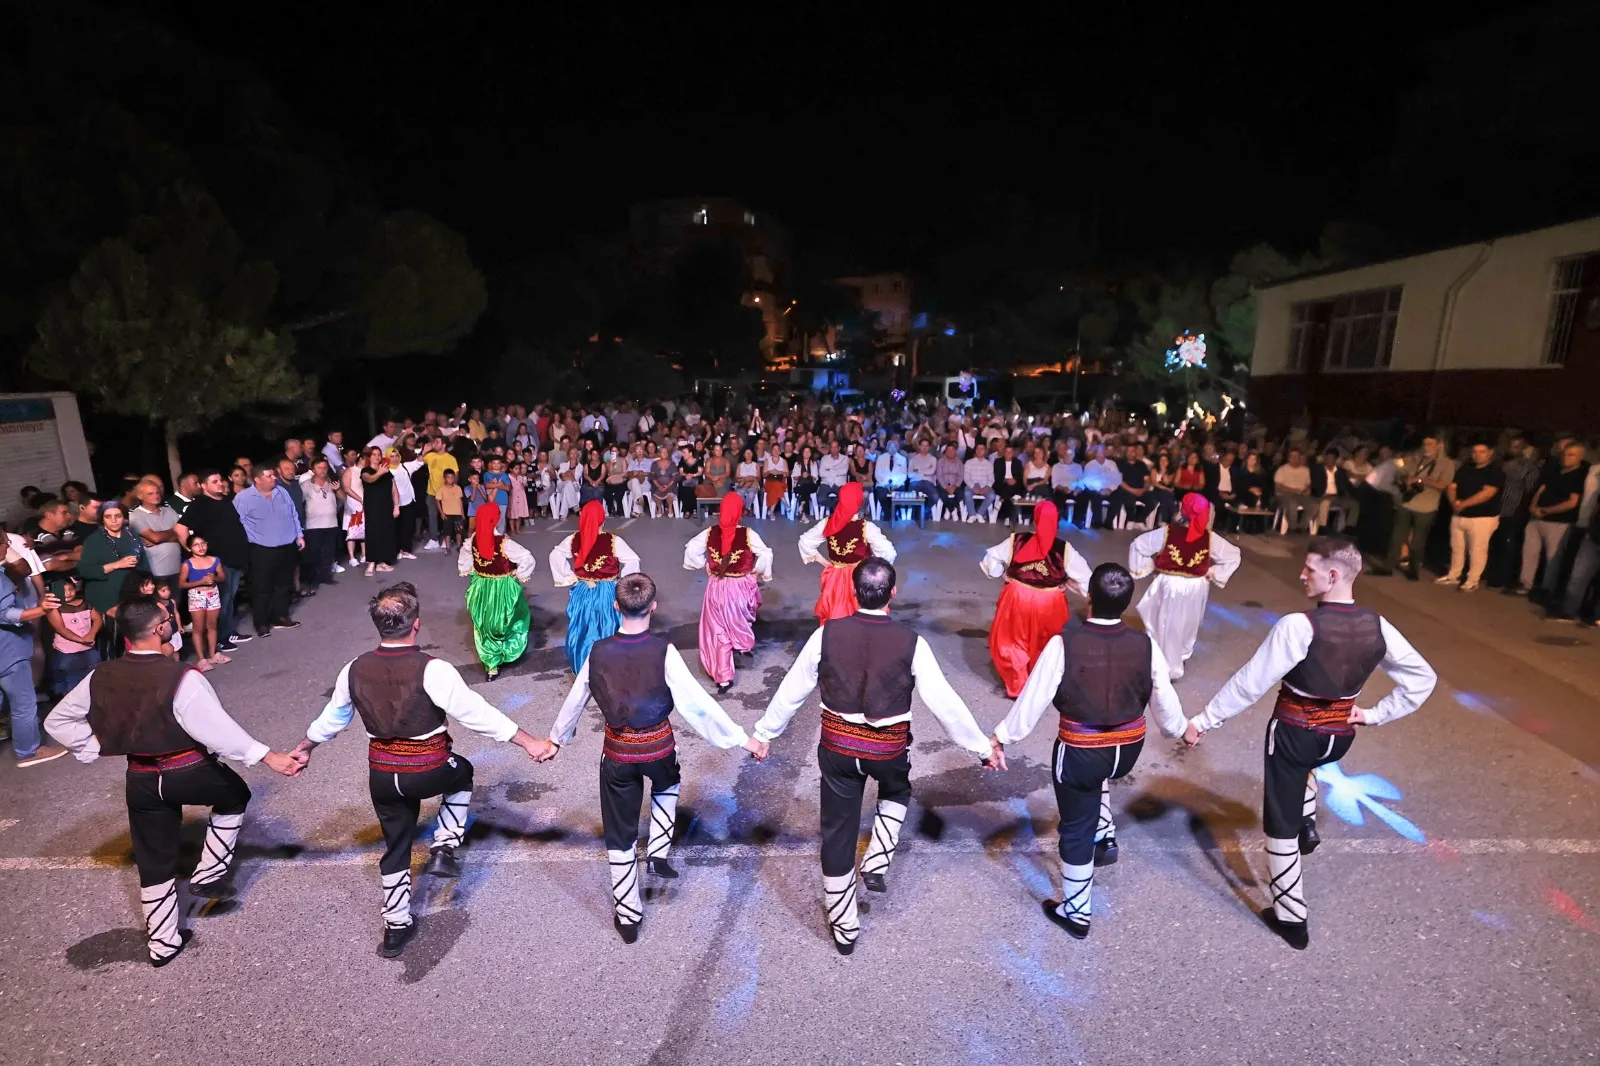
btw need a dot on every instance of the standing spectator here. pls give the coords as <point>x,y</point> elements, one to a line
<point>289,480</point>
<point>1422,479</point>
<point>322,533</point>
<point>948,480</point>
<point>1505,547</point>
<point>200,576</point>
<point>385,439</point>
<point>1472,497</point>
<point>437,458</point>
<point>405,469</point>
<point>272,526</point>
<point>17,618</point>
<point>57,539</point>
<point>380,511</point>
<point>76,631</point>
<point>153,522</point>
<point>334,450</point>
<point>1331,487</point>
<point>1291,484</point>
<point>1553,513</point>
<point>109,556</point>
<point>213,517</point>
<point>188,488</point>
<point>295,453</point>
<point>452,512</point>
<point>1587,563</point>
<point>977,477</point>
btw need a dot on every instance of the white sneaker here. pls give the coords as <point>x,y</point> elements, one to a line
<point>432,545</point>
<point>405,555</point>
<point>338,569</point>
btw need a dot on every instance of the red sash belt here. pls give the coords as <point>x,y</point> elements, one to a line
<point>1080,735</point>
<point>402,755</point>
<point>640,745</point>
<point>168,762</point>
<point>856,740</point>
<point>1318,715</point>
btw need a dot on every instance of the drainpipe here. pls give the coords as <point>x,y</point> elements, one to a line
<point>1447,320</point>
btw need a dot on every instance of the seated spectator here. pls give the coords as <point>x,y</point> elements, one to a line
<point>747,482</point>
<point>1036,475</point>
<point>1101,478</point>
<point>889,475</point>
<point>1291,484</point>
<point>1008,482</point>
<point>1192,478</point>
<point>719,474</point>
<point>1131,500</point>
<point>977,478</point>
<point>663,481</point>
<point>1332,488</point>
<point>948,482</point>
<point>774,479</point>
<point>1066,478</point>
<point>922,471</point>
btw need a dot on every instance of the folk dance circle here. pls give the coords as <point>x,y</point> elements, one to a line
<point>1101,676</point>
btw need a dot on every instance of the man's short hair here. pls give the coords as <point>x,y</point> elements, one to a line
<point>394,609</point>
<point>874,580</point>
<point>140,618</point>
<point>635,594</point>
<point>1341,551</point>
<point>205,475</point>
<point>51,504</point>
<point>1110,591</point>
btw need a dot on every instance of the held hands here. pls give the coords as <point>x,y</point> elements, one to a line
<point>997,756</point>
<point>1191,734</point>
<point>758,749</point>
<point>302,753</point>
<point>538,749</point>
<point>287,764</point>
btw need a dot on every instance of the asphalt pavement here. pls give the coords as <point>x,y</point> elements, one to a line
<point>1455,902</point>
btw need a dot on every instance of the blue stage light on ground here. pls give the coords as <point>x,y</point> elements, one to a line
<point>1348,797</point>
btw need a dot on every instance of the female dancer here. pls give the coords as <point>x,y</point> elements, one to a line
<point>589,562</point>
<point>736,558</point>
<point>839,542</point>
<point>499,567</point>
<point>1038,568</point>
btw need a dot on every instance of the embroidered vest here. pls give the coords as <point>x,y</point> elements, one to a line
<point>498,566</point>
<point>849,545</point>
<point>1049,572</point>
<point>603,564</point>
<point>1185,560</point>
<point>739,559</point>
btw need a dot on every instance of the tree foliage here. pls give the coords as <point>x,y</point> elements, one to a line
<point>420,292</point>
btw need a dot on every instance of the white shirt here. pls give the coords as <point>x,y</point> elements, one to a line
<point>694,553</point>
<point>835,470</point>
<point>405,493</point>
<point>1286,647</point>
<point>520,557</point>
<point>704,714</point>
<point>1037,695</point>
<point>443,685</point>
<point>812,540</point>
<point>561,560</point>
<point>1225,557</point>
<point>1065,475</point>
<point>194,705</point>
<point>997,558</point>
<point>1224,477</point>
<point>890,470</point>
<point>1101,475</point>
<point>931,685</point>
<point>383,441</point>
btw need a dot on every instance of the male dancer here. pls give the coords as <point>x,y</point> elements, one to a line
<point>867,666</point>
<point>736,558</point>
<point>839,542</point>
<point>165,717</point>
<point>1187,558</point>
<point>405,699</point>
<point>1323,657</point>
<point>637,678</point>
<point>1100,675</point>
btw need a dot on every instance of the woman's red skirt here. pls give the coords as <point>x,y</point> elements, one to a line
<point>1024,621</point>
<point>838,599</point>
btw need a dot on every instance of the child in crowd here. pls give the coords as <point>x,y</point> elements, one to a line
<point>519,498</point>
<point>172,628</point>
<point>200,574</point>
<point>542,483</point>
<point>77,626</point>
<point>477,496</point>
<point>452,513</point>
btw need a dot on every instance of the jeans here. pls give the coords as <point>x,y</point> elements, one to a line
<point>1584,569</point>
<point>1552,538</point>
<point>67,668</point>
<point>431,505</point>
<point>16,685</point>
<point>1469,546</point>
<point>227,622</point>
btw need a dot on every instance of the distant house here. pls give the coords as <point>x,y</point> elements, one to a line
<point>1503,332</point>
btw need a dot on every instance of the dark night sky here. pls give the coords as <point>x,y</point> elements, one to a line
<point>517,124</point>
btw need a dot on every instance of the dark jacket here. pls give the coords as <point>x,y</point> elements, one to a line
<point>1000,473</point>
<point>1341,481</point>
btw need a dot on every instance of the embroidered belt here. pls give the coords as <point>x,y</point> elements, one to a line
<point>856,740</point>
<point>402,755</point>
<point>1081,735</point>
<point>1318,715</point>
<point>167,762</point>
<point>639,745</point>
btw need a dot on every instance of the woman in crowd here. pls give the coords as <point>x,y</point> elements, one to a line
<point>690,470</point>
<point>616,485</point>
<point>747,482</point>
<point>1036,475</point>
<point>381,509</point>
<point>238,480</point>
<point>201,577</point>
<point>355,519</point>
<point>861,468</point>
<point>1251,484</point>
<point>519,498</point>
<point>593,486</point>
<point>719,472</point>
<point>109,555</point>
<point>807,470</point>
<point>1191,478</point>
<point>775,479</point>
<point>321,492</point>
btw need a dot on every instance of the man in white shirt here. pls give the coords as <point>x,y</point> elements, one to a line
<point>1292,482</point>
<point>638,478</point>
<point>1101,478</point>
<point>889,474</point>
<point>384,440</point>
<point>1066,473</point>
<point>977,474</point>
<point>834,471</point>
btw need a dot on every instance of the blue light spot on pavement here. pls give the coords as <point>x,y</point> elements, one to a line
<point>745,954</point>
<point>1230,616</point>
<point>945,540</point>
<point>515,700</point>
<point>1026,967</point>
<point>1350,797</point>
<point>1474,702</point>
<point>1089,534</point>
<point>1493,921</point>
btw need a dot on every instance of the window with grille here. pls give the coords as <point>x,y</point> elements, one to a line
<point>1565,284</point>
<point>1361,329</point>
<point>1303,324</point>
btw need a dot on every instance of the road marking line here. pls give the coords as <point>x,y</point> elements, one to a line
<point>7,823</point>
<point>540,852</point>
<point>628,523</point>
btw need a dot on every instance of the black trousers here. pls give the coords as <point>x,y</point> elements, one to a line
<point>155,812</point>
<point>410,515</point>
<point>844,780</point>
<point>614,497</point>
<point>322,551</point>
<point>1007,494</point>
<point>1093,508</point>
<point>1078,775</point>
<point>622,793</point>
<point>271,581</point>
<point>397,799</point>
<point>1291,754</point>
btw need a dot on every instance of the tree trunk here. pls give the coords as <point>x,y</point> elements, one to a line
<point>174,462</point>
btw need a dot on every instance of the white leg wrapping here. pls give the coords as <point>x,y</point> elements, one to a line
<point>885,837</point>
<point>1308,809</point>
<point>160,905</point>
<point>839,900</point>
<point>1106,827</point>
<point>222,833</point>
<point>663,820</point>
<point>625,886</point>
<point>1077,884</point>
<point>1288,890</point>
<point>452,827</point>
<point>397,899</point>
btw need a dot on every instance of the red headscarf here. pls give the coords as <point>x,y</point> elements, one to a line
<point>1197,509</point>
<point>728,519</point>
<point>483,532</point>
<point>1045,520</point>
<point>590,519</point>
<point>848,507</point>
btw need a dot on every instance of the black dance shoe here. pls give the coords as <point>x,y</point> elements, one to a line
<point>628,931</point>
<point>874,882</point>
<point>1105,852</point>
<point>1075,929</point>
<point>443,863</point>
<point>1309,838</point>
<point>395,938</point>
<point>841,947</point>
<point>723,688</point>
<point>221,888</point>
<point>1295,934</point>
<point>184,936</point>
<point>660,867</point>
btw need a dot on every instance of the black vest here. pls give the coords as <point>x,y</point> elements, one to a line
<point>386,688</point>
<point>866,666</point>
<point>628,679</point>
<point>130,706</point>
<point>1106,678</point>
<point>1347,645</point>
